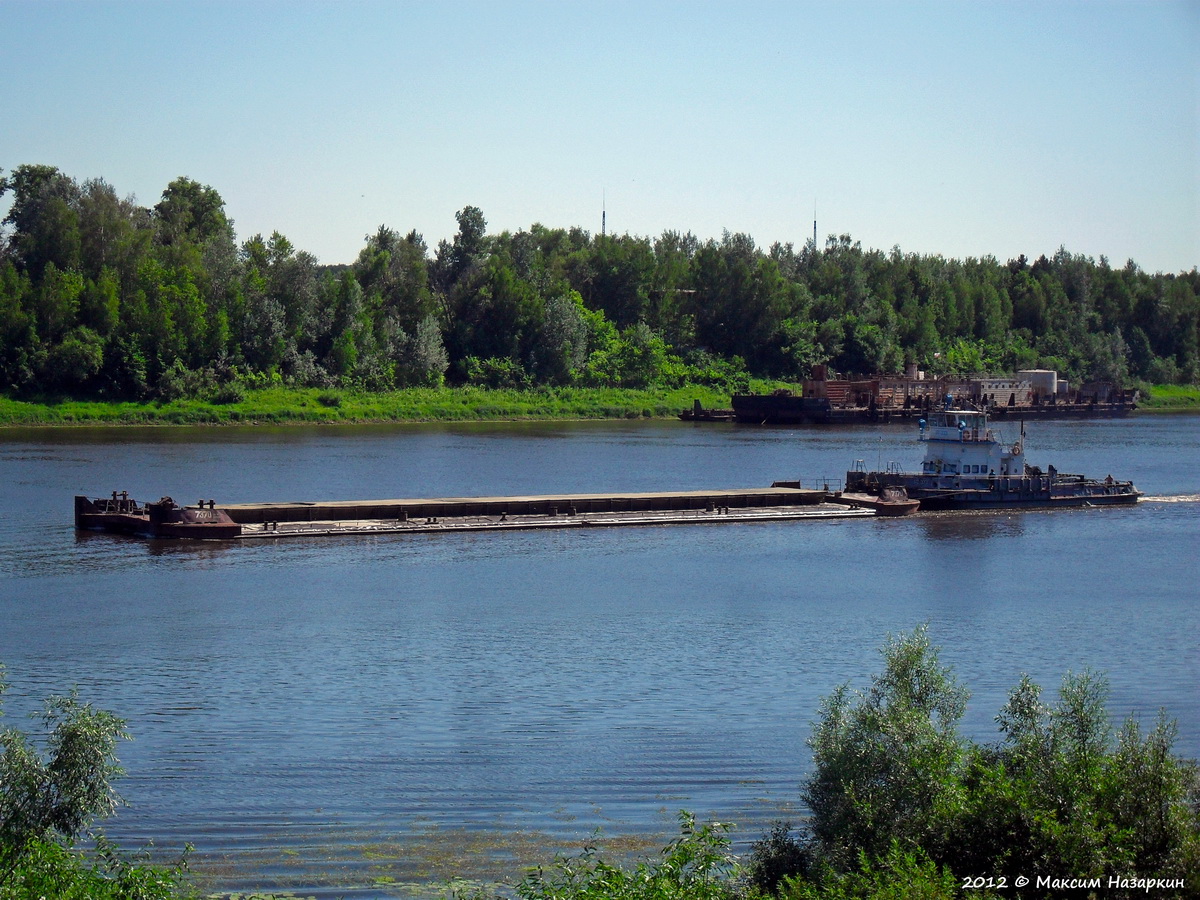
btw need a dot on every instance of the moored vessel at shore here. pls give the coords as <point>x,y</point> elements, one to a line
<point>968,466</point>
<point>878,399</point>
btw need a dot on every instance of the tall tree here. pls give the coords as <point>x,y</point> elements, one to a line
<point>191,213</point>
<point>396,269</point>
<point>455,261</point>
<point>18,338</point>
<point>44,217</point>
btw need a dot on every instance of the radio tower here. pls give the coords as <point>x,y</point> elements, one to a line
<point>814,226</point>
<point>603,214</point>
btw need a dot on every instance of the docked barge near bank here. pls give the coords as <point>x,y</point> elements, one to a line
<point>1029,394</point>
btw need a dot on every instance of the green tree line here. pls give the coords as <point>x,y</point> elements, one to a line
<point>100,296</point>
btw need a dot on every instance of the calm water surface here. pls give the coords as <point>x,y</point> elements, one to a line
<point>331,714</point>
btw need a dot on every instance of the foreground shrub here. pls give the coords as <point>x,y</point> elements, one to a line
<point>56,796</point>
<point>697,865</point>
<point>898,875</point>
<point>50,798</point>
<point>1057,797</point>
<point>778,855</point>
<point>50,870</point>
<point>887,762</point>
<point>1062,797</point>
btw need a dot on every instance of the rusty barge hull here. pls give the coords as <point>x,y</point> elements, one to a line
<point>164,519</point>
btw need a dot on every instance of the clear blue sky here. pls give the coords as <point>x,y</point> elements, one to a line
<point>965,129</point>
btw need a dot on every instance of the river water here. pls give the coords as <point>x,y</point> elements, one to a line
<point>370,716</point>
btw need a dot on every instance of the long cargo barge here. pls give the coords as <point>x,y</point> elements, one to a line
<point>206,520</point>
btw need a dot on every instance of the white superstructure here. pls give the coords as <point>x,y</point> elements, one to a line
<point>959,442</point>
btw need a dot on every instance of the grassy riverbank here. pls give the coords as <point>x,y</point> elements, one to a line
<point>283,405</point>
<point>1169,397</point>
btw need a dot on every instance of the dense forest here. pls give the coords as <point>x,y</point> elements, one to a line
<point>102,297</point>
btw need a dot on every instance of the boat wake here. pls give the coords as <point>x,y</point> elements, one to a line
<point>1173,498</point>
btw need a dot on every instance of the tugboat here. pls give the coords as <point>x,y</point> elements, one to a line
<point>967,466</point>
<point>164,519</point>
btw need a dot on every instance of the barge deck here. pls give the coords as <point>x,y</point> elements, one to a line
<point>433,524</point>
<point>551,505</point>
<point>444,514</point>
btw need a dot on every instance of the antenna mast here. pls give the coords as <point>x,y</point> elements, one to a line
<point>603,214</point>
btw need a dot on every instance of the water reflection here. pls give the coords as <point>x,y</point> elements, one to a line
<point>191,550</point>
<point>971,526</point>
<point>100,540</point>
<point>99,549</point>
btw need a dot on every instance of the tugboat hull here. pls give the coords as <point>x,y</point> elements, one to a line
<point>942,493</point>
